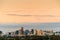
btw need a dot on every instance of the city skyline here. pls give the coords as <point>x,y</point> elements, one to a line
<point>29,19</point>
<point>39,26</point>
<point>15,12</point>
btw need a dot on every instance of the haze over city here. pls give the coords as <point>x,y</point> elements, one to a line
<point>39,26</point>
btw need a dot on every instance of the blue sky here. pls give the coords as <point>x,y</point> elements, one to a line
<point>15,26</point>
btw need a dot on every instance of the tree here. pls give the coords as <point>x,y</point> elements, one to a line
<point>0,33</point>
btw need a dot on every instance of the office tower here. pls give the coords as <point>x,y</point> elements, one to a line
<point>39,32</point>
<point>20,31</point>
<point>16,32</point>
<point>32,31</point>
<point>35,32</point>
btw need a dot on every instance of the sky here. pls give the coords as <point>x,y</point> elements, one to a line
<point>18,11</point>
<point>28,11</point>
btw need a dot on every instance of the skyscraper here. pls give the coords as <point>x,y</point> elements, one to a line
<point>20,31</point>
<point>32,31</point>
<point>35,32</point>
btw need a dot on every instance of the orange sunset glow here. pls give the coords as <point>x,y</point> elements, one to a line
<point>16,11</point>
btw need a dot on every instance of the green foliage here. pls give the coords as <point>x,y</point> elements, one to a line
<point>53,37</point>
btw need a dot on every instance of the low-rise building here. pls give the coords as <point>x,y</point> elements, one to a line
<point>49,32</point>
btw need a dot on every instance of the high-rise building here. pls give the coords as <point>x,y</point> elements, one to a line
<point>32,31</point>
<point>39,32</point>
<point>35,32</point>
<point>16,32</point>
<point>20,31</point>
